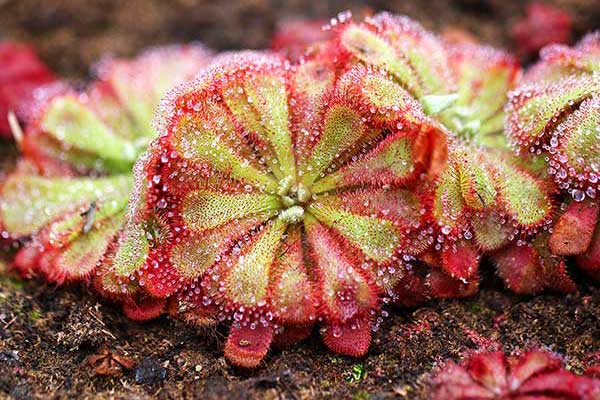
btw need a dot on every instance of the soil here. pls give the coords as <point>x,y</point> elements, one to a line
<point>72,35</point>
<point>49,335</point>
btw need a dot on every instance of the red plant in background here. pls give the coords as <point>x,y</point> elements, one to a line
<point>534,375</point>
<point>293,36</point>
<point>543,25</point>
<point>21,72</point>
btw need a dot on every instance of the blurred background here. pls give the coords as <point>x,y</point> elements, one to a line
<point>72,34</point>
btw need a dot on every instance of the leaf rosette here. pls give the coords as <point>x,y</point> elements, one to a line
<point>283,195</point>
<point>66,201</point>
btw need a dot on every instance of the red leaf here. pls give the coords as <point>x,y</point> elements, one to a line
<point>352,338</point>
<point>572,233</point>
<point>21,73</point>
<point>246,346</point>
<point>543,25</point>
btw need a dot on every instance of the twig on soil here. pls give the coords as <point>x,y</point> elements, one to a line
<point>9,323</point>
<point>95,317</point>
<point>15,128</point>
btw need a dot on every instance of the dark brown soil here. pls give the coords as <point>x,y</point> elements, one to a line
<point>48,333</point>
<point>71,35</point>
